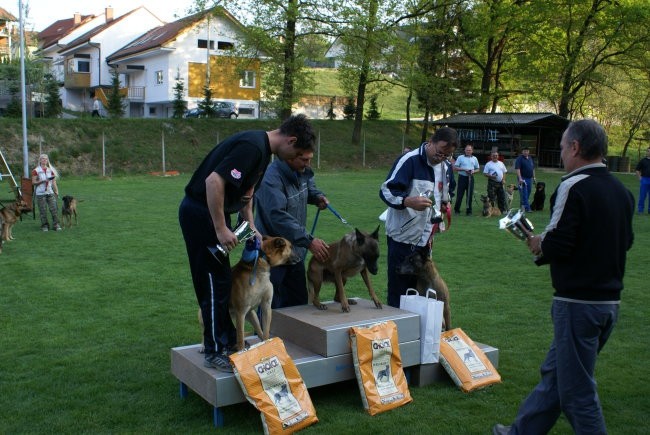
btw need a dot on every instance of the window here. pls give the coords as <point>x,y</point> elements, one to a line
<point>159,77</point>
<point>83,66</point>
<point>152,111</point>
<point>203,43</point>
<point>247,79</point>
<point>223,45</point>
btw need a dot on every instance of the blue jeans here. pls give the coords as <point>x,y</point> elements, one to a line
<point>644,191</point>
<point>568,384</point>
<point>524,193</point>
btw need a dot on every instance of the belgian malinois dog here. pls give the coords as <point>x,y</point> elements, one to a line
<point>69,211</point>
<point>420,265</point>
<point>357,252</point>
<point>489,210</point>
<point>251,287</point>
<point>9,215</point>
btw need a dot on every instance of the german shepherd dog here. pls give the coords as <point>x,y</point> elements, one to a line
<point>69,211</point>
<point>251,287</point>
<point>357,252</point>
<point>539,197</point>
<point>420,265</point>
<point>489,210</point>
<point>9,215</point>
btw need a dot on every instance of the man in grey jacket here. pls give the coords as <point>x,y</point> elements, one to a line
<point>281,210</point>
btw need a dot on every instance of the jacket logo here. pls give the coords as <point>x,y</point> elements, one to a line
<point>235,174</point>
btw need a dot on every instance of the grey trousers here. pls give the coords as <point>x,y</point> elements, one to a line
<point>50,202</point>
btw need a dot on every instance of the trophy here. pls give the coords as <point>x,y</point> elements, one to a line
<point>516,223</point>
<point>243,233</point>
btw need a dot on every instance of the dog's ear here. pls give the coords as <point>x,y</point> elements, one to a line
<point>360,237</point>
<point>279,242</point>
<point>375,234</point>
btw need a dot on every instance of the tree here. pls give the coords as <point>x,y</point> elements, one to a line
<point>330,112</point>
<point>349,109</point>
<point>14,109</point>
<point>53,106</point>
<point>115,99</point>
<point>179,104</point>
<point>373,111</point>
<point>206,103</point>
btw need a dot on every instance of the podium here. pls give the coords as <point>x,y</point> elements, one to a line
<point>318,342</point>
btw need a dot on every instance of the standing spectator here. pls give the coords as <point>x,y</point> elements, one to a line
<point>223,184</point>
<point>525,168</point>
<point>587,267</point>
<point>97,107</point>
<point>416,187</point>
<point>465,165</point>
<point>47,192</point>
<point>643,173</point>
<point>281,210</point>
<point>496,171</point>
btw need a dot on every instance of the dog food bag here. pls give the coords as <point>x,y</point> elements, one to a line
<point>271,382</point>
<point>378,367</point>
<point>465,362</point>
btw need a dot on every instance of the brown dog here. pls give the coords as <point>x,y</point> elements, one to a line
<point>510,193</point>
<point>69,211</point>
<point>420,265</point>
<point>489,210</point>
<point>357,252</point>
<point>9,215</point>
<point>251,287</point>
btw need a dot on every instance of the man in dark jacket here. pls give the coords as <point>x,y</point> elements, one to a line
<point>281,210</point>
<point>585,243</point>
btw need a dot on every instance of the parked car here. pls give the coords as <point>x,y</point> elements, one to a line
<point>222,109</point>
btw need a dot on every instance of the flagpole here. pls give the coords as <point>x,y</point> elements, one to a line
<point>22,89</point>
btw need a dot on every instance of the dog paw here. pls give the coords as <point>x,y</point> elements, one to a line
<point>321,307</point>
<point>378,305</point>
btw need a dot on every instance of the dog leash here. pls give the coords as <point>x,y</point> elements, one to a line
<point>335,213</point>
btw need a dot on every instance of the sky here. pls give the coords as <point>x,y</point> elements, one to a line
<point>42,13</point>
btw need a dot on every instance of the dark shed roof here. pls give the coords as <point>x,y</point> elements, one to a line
<point>504,120</point>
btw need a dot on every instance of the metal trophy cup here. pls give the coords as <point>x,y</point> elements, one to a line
<point>243,233</point>
<point>516,223</point>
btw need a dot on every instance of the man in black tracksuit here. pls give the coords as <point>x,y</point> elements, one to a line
<point>585,244</point>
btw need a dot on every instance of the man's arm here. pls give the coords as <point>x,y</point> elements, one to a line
<point>215,188</point>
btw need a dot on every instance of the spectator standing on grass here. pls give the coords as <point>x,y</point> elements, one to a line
<point>281,211</point>
<point>643,173</point>
<point>495,171</point>
<point>47,192</point>
<point>525,168</point>
<point>97,107</point>
<point>417,182</point>
<point>222,185</point>
<point>585,243</point>
<point>466,165</point>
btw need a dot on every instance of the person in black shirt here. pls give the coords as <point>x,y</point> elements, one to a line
<point>224,184</point>
<point>643,172</point>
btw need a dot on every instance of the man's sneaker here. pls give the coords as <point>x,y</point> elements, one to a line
<point>57,227</point>
<point>499,429</point>
<point>218,361</point>
<point>45,228</point>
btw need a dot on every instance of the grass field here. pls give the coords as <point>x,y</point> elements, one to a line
<point>89,316</point>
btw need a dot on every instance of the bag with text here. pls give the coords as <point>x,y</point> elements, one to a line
<point>430,310</point>
<point>271,382</point>
<point>465,362</point>
<point>378,367</point>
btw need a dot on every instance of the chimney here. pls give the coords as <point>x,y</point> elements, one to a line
<point>77,18</point>
<point>109,14</point>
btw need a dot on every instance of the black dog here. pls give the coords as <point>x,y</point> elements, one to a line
<point>540,197</point>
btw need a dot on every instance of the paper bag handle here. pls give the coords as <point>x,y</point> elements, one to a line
<point>409,290</point>
<point>435,295</point>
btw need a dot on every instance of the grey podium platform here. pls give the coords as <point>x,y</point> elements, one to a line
<point>318,343</point>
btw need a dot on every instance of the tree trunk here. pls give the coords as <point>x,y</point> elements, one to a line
<point>286,99</point>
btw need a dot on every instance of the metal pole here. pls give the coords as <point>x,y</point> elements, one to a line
<point>103,156</point>
<point>22,90</point>
<point>163,153</point>
<point>364,149</point>
<point>318,151</point>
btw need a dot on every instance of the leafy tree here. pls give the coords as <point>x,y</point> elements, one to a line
<point>349,109</point>
<point>179,104</point>
<point>53,106</point>
<point>373,112</point>
<point>206,103</point>
<point>115,99</point>
<point>330,112</point>
<point>14,108</point>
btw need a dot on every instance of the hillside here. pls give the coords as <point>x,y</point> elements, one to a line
<point>134,146</point>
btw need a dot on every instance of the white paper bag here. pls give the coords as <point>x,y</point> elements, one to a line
<point>430,311</point>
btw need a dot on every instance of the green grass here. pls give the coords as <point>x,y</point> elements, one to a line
<point>89,316</point>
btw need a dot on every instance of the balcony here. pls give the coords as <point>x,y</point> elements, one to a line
<point>76,80</point>
<point>133,93</point>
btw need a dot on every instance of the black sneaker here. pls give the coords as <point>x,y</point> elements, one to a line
<point>218,361</point>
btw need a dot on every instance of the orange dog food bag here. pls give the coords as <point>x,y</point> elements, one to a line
<point>271,382</point>
<point>465,362</point>
<point>378,367</point>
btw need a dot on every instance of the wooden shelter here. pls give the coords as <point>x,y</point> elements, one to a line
<point>509,133</point>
